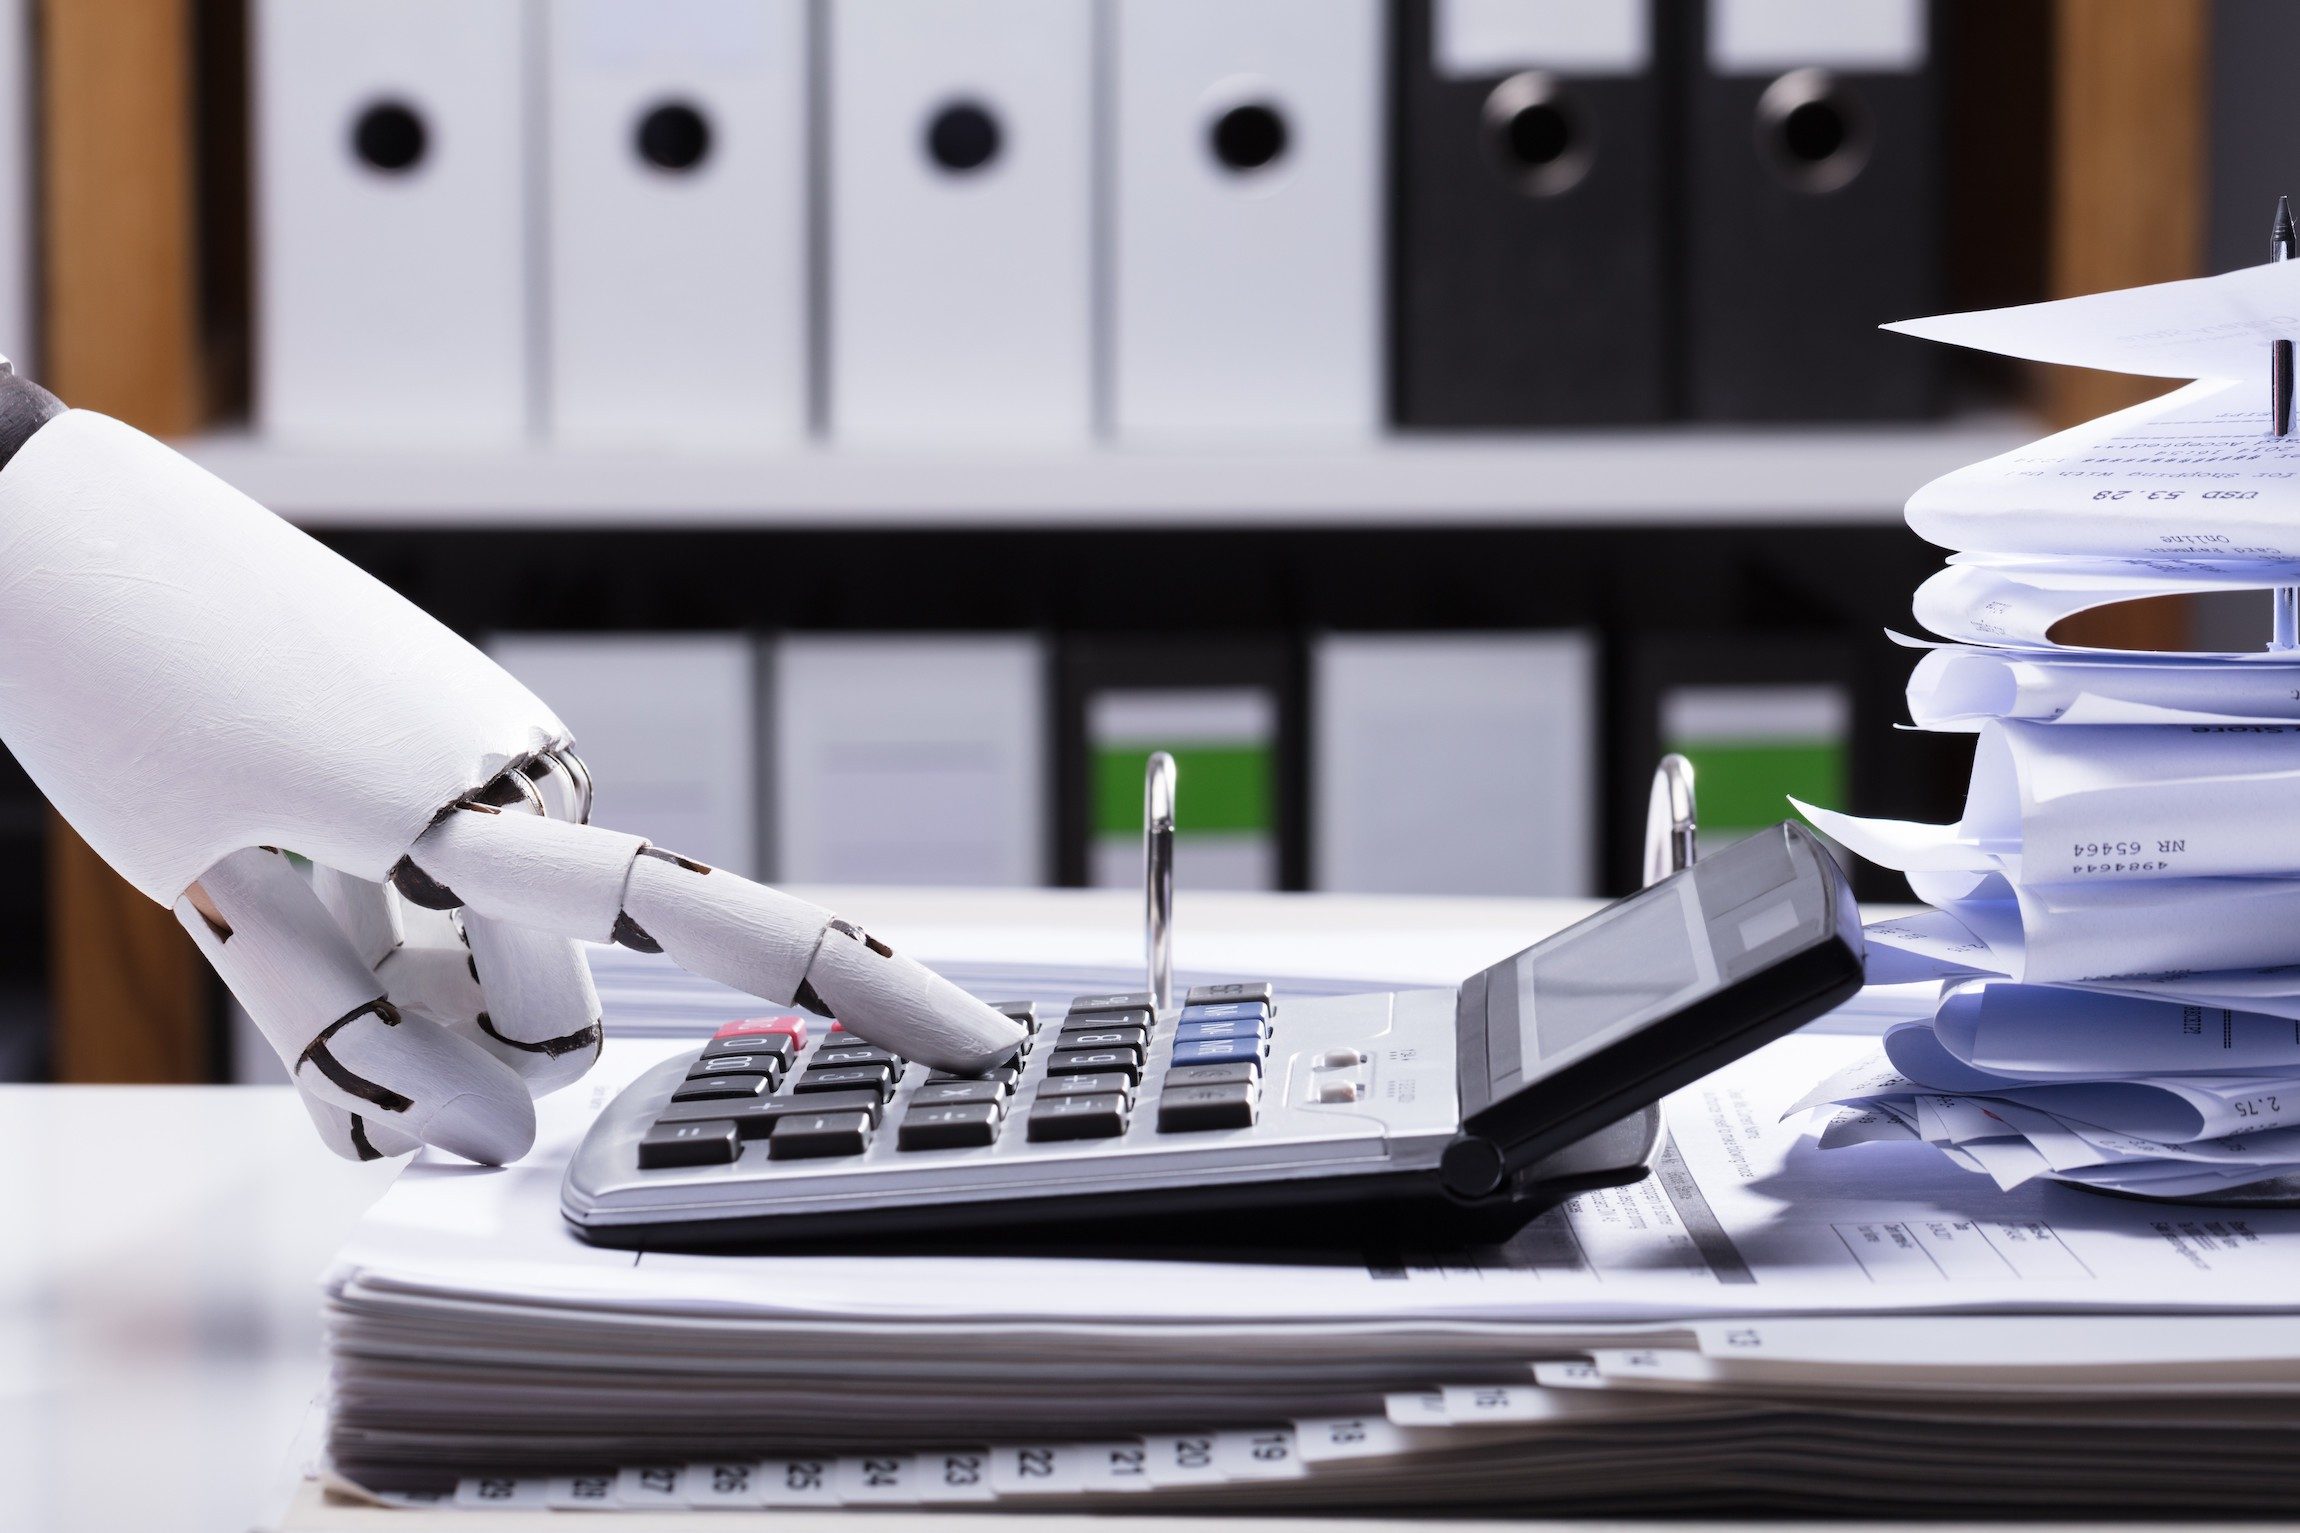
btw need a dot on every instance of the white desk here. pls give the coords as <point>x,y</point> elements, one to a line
<point>159,1246</point>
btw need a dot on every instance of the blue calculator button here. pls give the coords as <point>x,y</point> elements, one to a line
<point>1227,1011</point>
<point>1199,1032</point>
<point>1218,1051</point>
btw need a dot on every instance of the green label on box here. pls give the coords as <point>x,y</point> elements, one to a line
<point>1746,784</point>
<point>1217,788</point>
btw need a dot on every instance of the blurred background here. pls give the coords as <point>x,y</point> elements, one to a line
<point>875,425</point>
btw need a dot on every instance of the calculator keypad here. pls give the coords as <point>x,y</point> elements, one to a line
<point>1082,1079</point>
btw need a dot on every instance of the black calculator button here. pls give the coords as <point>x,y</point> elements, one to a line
<point>1094,1061</point>
<point>816,1135</point>
<point>1188,1109</point>
<point>736,1064</point>
<point>1004,1075</point>
<point>1239,990</point>
<point>721,1088</point>
<point>1095,1021</point>
<point>1210,1075</point>
<point>937,1092</point>
<point>753,1117</point>
<point>1138,1000</point>
<point>830,1056</point>
<point>780,1045</point>
<point>1105,1038</point>
<point>708,1142</point>
<point>953,1126</point>
<point>879,1078</point>
<point>1024,1012</point>
<point>1091,1117</point>
<point>1099,1083</point>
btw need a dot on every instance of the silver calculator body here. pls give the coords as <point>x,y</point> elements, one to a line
<point>1349,1085</point>
<point>1240,1114</point>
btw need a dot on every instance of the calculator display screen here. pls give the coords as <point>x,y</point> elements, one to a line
<point>1630,964</point>
<point>1596,983</point>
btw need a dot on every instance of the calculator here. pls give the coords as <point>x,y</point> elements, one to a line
<point>1453,1112</point>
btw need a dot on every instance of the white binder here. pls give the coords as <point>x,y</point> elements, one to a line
<point>961,153</point>
<point>391,210</point>
<point>1246,267</point>
<point>1454,763</point>
<point>910,759</point>
<point>668,725</point>
<point>18,238</point>
<point>678,222</point>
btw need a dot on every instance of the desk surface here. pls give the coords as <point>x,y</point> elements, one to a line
<point>160,1246</point>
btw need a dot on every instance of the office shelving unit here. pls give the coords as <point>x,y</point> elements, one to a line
<point>1843,476</point>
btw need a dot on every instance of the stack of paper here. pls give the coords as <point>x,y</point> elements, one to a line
<point>1757,1327</point>
<point>2116,917</point>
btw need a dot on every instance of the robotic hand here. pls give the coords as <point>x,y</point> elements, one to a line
<point>201,689</point>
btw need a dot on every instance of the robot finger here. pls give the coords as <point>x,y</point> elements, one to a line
<point>603,885</point>
<point>355,1136</point>
<point>540,1014</point>
<point>725,927</point>
<point>878,993</point>
<point>324,1012</point>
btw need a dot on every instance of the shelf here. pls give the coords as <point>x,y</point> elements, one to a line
<point>1627,477</point>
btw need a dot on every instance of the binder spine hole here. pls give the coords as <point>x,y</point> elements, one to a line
<point>1249,137</point>
<point>1813,130</point>
<point>963,137</point>
<point>674,136</point>
<point>390,136</point>
<point>1541,137</point>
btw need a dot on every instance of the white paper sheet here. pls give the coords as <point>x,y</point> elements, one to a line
<point>2206,327</point>
<point>2033,1030</point>
<point>2080,804</point>
<point>2193,473</point>
<point>1959,688</point>
<point>2139,935</point>
<point>2016,604</point>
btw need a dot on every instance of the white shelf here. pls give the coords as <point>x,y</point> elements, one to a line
<point>1809,475</point>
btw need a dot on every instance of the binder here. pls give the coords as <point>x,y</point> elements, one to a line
<point>17,179</point>
<point>959,184</point>
<point>391,213</point>
<point>1454,763</point>
<point>910,759</point>
<point>678,222</point>
<point>1245,263</point>
<point>1533,242</point>
<point>1813,213</point>
<point>668,725</point>
<point>1229,712</point>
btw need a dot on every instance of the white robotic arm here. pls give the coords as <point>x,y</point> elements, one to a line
<point>201,689</point>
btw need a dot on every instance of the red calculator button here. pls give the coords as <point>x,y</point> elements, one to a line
<point>794,1027</point>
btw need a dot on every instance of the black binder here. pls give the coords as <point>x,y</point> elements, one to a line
<point>1812,216</point>
<point>1530,269</point>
